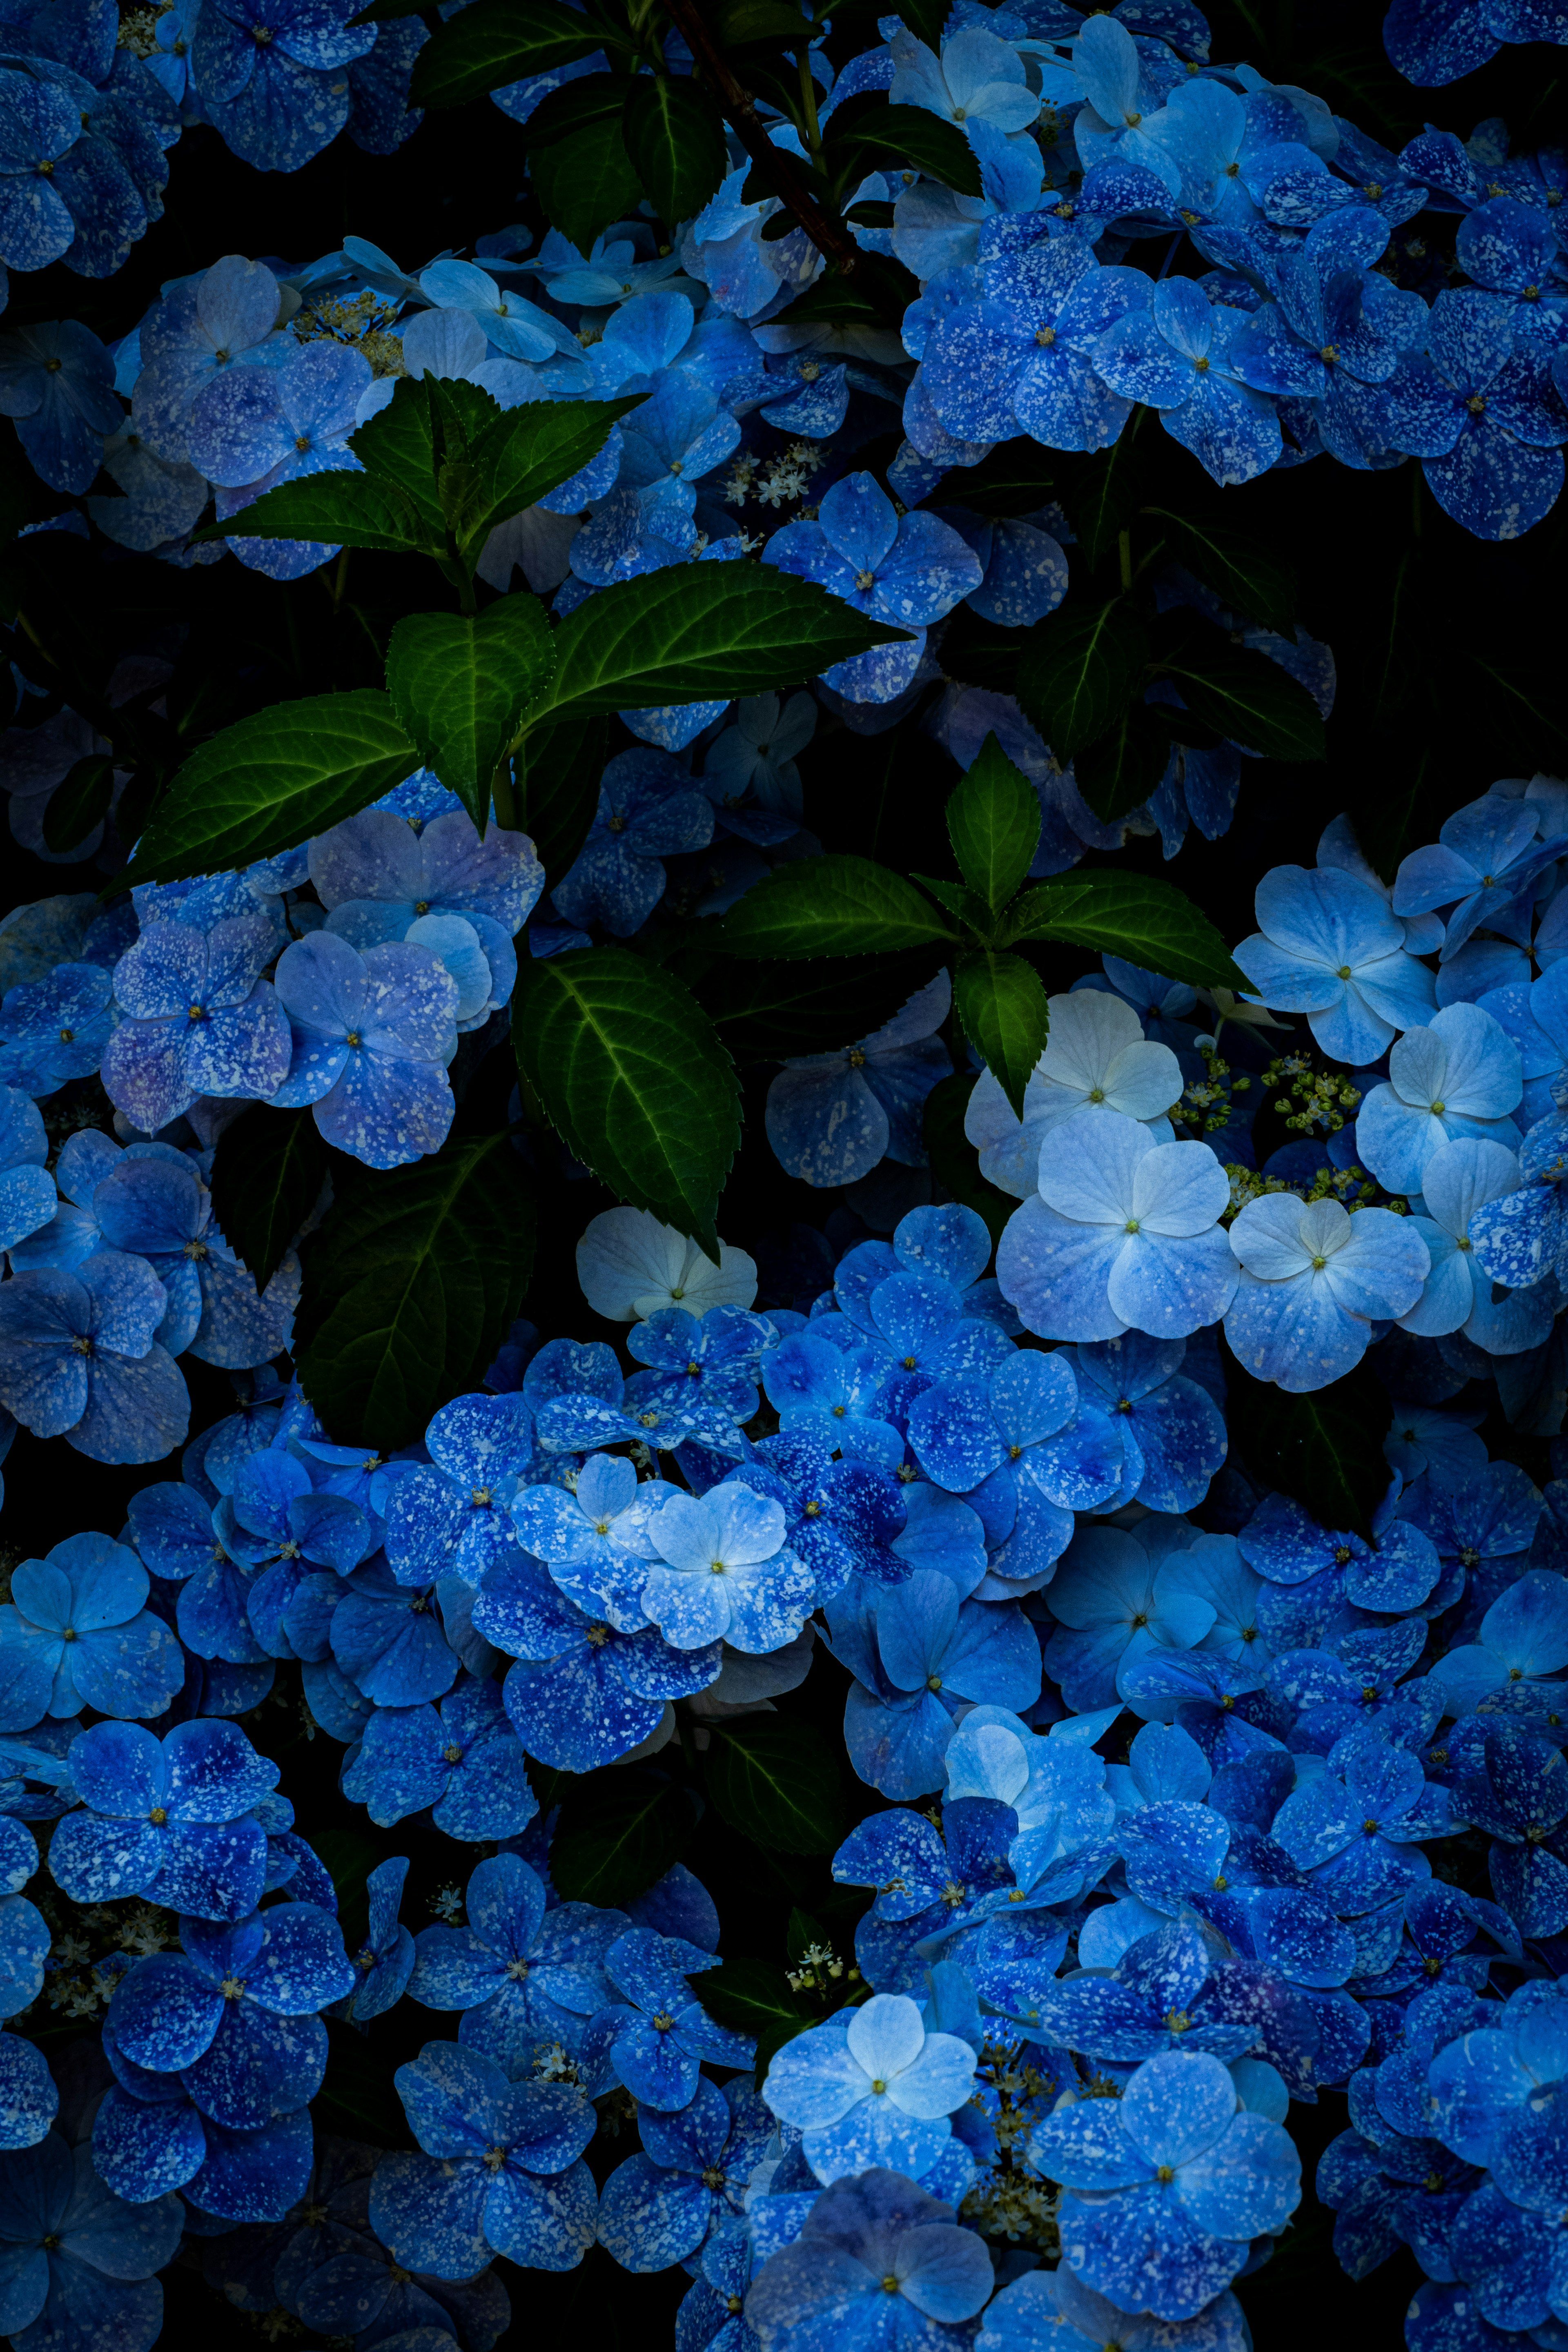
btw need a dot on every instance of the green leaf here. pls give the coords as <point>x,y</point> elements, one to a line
<point>411,1284</point>
<point>1017,477</point>
<point>268,1173</point>
<point>1125,765</point>
<point>878,294</point>
<point>772,1012</point>
<point>527,453</point>
<point>557,774</point>
<point>675,137</point>
<point>398,446</point>
<point>343,510</point>
<point>616,1837</point>
<point>755,1997</point>
<point>1325,1448</point>
<point>736,22</point>
<point>915,136</point>
<point>1145,921</point>
<point>1078,670</point>
<point>993,824</point>
<point>954,1161</point>
<point>1242,694</point>
<point>925,19</point>
<point>829,906</point>
<point>965,905</point>
<point>496,42</point>
<point>700,630</point>
<point>1242,576</point>
<point>1002,1005</point>
<point>629,1068</point>
<point>1101,493</point>
<point>79,802</point>
<point>577,159</point>
<point>801,1932</point>
<point>460,686</point>
<point>272,781</point>
<point>776,1780</point>
<point>977,653</point>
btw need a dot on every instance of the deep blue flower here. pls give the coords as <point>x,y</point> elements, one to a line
<point>54,1029</point>
<point>1184,356</point>
<point>58,383</point>
<point>176,1815</point>
<point>662,2206</point>
<point>831,2287</point>
<point>386,1958</point>
<point>1024,1447</point>
<point>871,2085</point>
<point>656,2033</point>
<point>200,1020</point>
<point>79,1634</point>
<point>1328,946</point>
<point>918,1651</point>
<point>78,1358</point>
<point>649,809</point>
<point>502,2171</point>
<point>371,1036</point>
<point>832,1117</point>
<point>1478,409</point>
<point>65,2237</point>
<point>524,1976</point>
<point>841,1518</point>
<point>904,569</point>
<point>462,1759</point>
<point>27,1188</point>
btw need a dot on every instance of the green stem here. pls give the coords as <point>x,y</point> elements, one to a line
<point>808,103</point>
<point>504,797</point>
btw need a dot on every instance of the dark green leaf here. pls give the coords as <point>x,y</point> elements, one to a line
<point>268,1173</point>
<point>350,1857</point>
<point>736,22</point>
<point>495,42</point>
<point>871,215</point>
<point>774,1780</point>
<point>79,802</point>
<point>628,1066</point>
<point>342,509</point>
<point>411,1284</point>
<point>675,137</point>
<point>398,446</point>
<point>616,1837</point>
<point>1101,493</point>
<point>1078,671</point>
<point>523,455</point>
<point>925,19</point>
<point>965,905</point>
<point>274,780</point>
<point>557,774</point>
<point>1324,1448</point>
<point>829,906</point>
<point>769,1012</point>
<point>993,824</point>
<point>954,1161</point>
<point>977,653</point>
<point>578,158</point>
<point>1145,921</point>
<point>802,1933</point>
<point>1243,578</point>
<point>937,148</point>
<point>1002,1005</point>
<point>1124,766</point>
<point>1241,694</point>
<point>700,631</point>
<point>460,686</point>
<point>754,1997</point>
<point>1016,479</point>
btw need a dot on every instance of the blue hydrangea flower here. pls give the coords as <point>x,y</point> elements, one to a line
<point>158,1208</point>
<point>649,809</point>
<point>78,1358</point>
<point>76,1632</point>
<point>1055,2307</point>
<point>871,2087</point>
<point>386,1958</point>
<point>1459,1295</point>
<point>1180,356</point>
<point>54,1029</point>
<point>1353,1835</point>
<point>377,864</point>
<point>1313,1280</point>
<point>77,2256</point>
<point>501,2170</point>
<point>831,2287</point>
<point>451,1517</point>
<point>1097,1058</point>
<point>462,1759</point>
<point>200,1019</point>
<point>521,1976</point>
<point>1328,945</point>
<point>1123,1234</point>
<point>918,1651</point>
<point>1167,2185</point>
<point>1517,1791</point>
<point>1479,407</point>
<point>841,1518</point>
<point>1173,1432</point>
<point>703,1371</point>
<point>27,1189</point>
<point>371,1036</point>
<point>833,1395</point>
<point>1026,1447</point>
<point>905,569</point>
<point>722,1572</point>
<point>593,1540</point>
<point>663,2205</point>
<point>581,1694</point>
<point>279,102</point>
<point>1116,1596</point>
<point>656,2033</point>
<point>1460,1075</point>
<point>176,1815</point>
<point>832,1117</point>
<point>56,381</point>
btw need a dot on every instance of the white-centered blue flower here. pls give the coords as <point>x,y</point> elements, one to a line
<point>871,2087</point>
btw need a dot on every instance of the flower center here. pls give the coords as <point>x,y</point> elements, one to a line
<point>158,1816</point>
<point>716,1567</point>
<point>1045,336</point>
<point>1342,972</point>
<point>864,580</point>
<point>232,1987</point>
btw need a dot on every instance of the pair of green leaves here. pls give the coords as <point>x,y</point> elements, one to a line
<point>465,690</point>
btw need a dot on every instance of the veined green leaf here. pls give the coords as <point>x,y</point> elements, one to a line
<point>830,906</point>
<point>1002,1005</point>
<point>912,133</point>
<point>411,1284</point>
<point>1124,766</point>
<point>993,824</point>
<point>769,1012</point>
<point>1135,916</point>
<point>461,685</point>
<point>773,1779</point>
<point>339,509</point>
<point>1324,1448</point>
<point>1241,694</point>
<point>675,136</point>
<point>268,1173</point>
<point>578,158</point>
<point>1078,670</point>
<point>1242,575</point>
<point>273,780</point>
<point>626,1065</point>
<point>616,1837</point>
<point>495,42</point>
<point>557,774</point>
<point>525,454</point>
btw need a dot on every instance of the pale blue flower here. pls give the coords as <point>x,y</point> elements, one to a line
<point>1329,946</point>
<point>1460,1075</point>
<point>871,2087</point>
<point>1314,1279</point>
